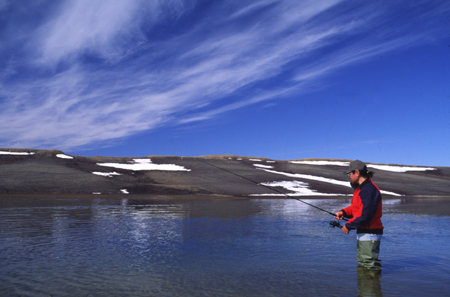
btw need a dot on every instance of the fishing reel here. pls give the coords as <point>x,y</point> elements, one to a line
<point>335,224</point>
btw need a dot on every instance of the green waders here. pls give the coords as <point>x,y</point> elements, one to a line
<point>367,254</point>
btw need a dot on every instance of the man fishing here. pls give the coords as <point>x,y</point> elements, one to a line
<point>365,215</point>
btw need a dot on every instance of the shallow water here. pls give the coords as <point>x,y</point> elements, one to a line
<point>104,247</point>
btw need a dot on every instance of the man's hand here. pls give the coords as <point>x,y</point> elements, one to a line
<point>344,229</point>
<point>339,215</point>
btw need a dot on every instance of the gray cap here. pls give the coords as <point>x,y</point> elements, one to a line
<point>356,165</point>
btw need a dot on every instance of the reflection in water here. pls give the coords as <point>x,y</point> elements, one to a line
<point>368,282</point>
<point>216,247</point>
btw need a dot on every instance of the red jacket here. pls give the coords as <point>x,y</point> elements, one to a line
<point>366,209</point>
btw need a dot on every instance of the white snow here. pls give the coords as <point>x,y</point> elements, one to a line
<point>323,179</point>
<point>312,177</point>
<point>399,168</point>
<point>16,153</point>
<point>392,168</point>
<point>63,156</point>
<point>124,191</point>
<point>255,160</point>
<point>145,164</point>
<point>108,174</point>
<point>336,163</point>
<point>262,166</point>
<point>96,193</point>
<point>390,193</point>
<point>393,201</point>
<point>299,188</point>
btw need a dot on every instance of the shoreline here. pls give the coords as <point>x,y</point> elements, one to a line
<point>198,196</point>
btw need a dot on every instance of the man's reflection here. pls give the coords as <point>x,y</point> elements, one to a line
<point>368,281</point>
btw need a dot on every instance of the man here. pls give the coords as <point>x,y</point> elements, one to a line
<point>365,215</point>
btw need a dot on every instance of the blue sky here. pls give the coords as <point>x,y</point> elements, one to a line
<point>365,80</point>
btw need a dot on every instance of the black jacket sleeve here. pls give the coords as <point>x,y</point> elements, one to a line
<point>370,196</point>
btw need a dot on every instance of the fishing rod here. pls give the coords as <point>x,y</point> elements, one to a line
<point>332,223</point>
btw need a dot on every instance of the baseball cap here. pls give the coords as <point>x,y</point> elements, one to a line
<point>356,165</point>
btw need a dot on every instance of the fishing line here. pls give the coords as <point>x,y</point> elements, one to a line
<point>332,223</point>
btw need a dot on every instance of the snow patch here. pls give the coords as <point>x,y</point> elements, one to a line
<point>145,164</point>
<point>399,168</point>
<point>336,163</point>
<point>16,153</point>
<point>63,156</point>
<point>108,174</point>
<point>323,179</point>
<point>390,193</point>
<point>392,168</point>
<point>262,166</point>
<point>255,160</point>
<point>312,177</point>
<point>124,191</point>
<point>299,188</point>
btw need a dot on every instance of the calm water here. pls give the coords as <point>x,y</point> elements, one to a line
<point>252,247</point>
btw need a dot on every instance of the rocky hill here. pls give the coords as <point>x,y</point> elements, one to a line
<point>46,172</point>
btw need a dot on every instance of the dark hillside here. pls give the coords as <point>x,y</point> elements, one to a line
<point>52,172</point>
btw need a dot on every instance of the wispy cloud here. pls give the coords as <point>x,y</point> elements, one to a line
<point>109,29</point>
<point>93,71</point>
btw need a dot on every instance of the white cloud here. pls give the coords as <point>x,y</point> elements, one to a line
<point>94,26</point>
<point>110,29</point>
<point>136,83</point>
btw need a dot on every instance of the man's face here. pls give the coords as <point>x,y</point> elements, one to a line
<point>354,176</point>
